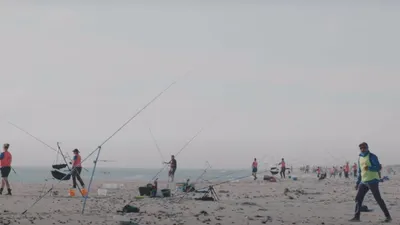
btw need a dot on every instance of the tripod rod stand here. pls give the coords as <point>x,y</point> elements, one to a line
<point>211,191</point>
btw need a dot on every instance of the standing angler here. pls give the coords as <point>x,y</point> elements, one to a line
<point>173,165</point>
<point>368,179</point>
<point>5,160</point>
<point>254,167</point>
<point>283,168</point>
<point>77,169</point>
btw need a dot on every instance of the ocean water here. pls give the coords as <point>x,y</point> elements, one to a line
<point>41,174</point>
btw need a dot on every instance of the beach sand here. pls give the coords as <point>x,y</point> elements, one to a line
<point>305,201</point>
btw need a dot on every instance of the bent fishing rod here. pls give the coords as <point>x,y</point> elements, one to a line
<point>98,149</point>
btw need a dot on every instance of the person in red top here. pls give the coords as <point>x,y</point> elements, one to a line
<point>346,170</point>
<point>254,168</point>
<point>76,169</point>
<point>5,161</point>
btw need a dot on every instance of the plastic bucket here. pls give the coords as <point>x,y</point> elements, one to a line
<point>71,192</point>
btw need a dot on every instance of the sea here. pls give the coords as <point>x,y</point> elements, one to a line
<point>43,174</point>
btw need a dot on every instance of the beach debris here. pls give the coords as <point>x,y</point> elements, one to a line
<point>248,203</point>
<point>202,212</point>
<point>223,191</point>
<point>207,220</point>
<point>129,209</point>
<point>220,208</point>
<point>267,219</point>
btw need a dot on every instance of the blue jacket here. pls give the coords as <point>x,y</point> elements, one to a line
<point>375,166</point>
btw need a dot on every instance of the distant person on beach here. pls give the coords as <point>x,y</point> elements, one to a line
<point>254,168</point>
<point>5,161</point>
<point>172,164</point>
<point>76,169</point>
<point>283,168</point>
<point>346,170</point>
<point>368,179</point>
<point>318,171</point>
<point>333,172</point>
<point>355,167</point>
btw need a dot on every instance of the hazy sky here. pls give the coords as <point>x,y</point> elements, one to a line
<point>305,81</point>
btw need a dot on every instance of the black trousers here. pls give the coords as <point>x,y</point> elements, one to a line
<point>76,173</point>
<point>355,173</point>
<point>362,191</point>
<point>283,169</point>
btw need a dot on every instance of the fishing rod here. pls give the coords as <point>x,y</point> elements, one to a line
<point>201,175</point>
<point>39,140</point>
<point>224,175</point>
<point>66,163</point>
<point>224,182</point>
<point>104,161</point>
<point>184,146</point>
<point>233,172</point>
<point>98,149</point>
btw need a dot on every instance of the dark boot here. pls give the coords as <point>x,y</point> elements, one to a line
<point>388,219</point>
<point>9,192</point>
<point>355,219</point>
<point>1,191</point>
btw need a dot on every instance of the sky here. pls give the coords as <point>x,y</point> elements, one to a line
<point>302,81</point>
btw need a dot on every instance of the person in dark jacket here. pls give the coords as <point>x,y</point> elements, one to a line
<point>368,179</point>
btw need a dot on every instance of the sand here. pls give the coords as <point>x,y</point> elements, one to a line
<point>305,201</point>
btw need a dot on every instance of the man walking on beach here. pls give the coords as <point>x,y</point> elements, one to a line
<point>254,168</point>
<point>5,161</point>
<point>368,179</point>
<point>77,169</point>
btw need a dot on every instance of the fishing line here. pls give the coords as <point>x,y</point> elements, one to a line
<point>224,182</point>
<point>184,146</point>
<point>155,142</point>
<point>99,148</point>
<point>39,140</point>
<point>233,172</point>
<point>198,178</point>
<point>62,155</point>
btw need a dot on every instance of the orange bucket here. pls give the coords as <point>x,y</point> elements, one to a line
<point>84,192</point>
<point>72,192</point>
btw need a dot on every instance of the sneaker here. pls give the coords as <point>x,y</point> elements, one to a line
<point>355,219</point>
<point>388,219</point>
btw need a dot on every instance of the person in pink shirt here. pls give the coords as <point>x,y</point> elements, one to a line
<point>254,168</point>
<point>346,170</point>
